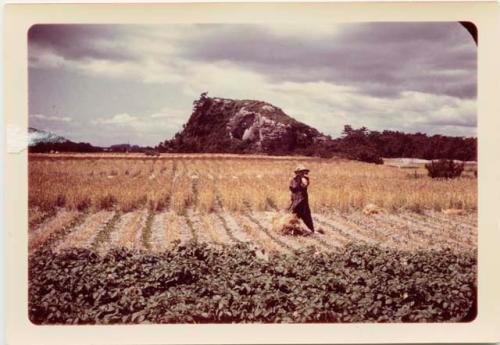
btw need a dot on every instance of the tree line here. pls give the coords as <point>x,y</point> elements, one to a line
<point>363,144</point>
<point>359,144</point>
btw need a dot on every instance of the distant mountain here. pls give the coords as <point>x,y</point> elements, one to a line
<point>37,136</point>
<point>242,126</point>
<point>127,148</point>
<point>43,141</point>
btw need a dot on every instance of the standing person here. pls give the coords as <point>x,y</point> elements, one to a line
<point>300,200</point>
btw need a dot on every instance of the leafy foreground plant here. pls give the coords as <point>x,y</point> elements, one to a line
<point>200,284</point>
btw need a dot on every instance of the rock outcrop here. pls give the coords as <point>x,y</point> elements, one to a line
<point>249,126</point>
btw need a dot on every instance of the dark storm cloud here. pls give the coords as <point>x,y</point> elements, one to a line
<point>380,59</point>
<point>75,42</point>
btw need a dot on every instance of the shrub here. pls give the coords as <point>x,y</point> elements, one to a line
<point>60,200</point>
<point>364,153</point>
<point>83,204</point>
<point>446,168</point>
<point>107,202</point>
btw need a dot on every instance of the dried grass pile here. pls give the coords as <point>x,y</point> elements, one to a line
<point>453,212</point>
<point>372,209</point>
<point>288,224</point>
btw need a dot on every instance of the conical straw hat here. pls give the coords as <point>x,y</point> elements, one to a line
<point>300,167</point>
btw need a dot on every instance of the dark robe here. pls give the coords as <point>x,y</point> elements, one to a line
<point>300,201</point>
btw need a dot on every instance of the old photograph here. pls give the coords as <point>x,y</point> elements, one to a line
<point>252,173</point>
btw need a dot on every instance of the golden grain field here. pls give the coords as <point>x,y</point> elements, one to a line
<point>137,202</point>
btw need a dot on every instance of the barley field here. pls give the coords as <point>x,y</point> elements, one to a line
<point>101,205</point>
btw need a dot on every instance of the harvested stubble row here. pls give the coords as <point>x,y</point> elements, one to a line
<point>37,217</point>
<point>333,230</point>
<point>439,233</point>
<point>283,241</point>
<point>351,231</point>
<point>159,241</point>
<point>466,224</point>
<point>233,229</point>
<point>216,230</point>
<point>178,224</point>
<point>198,227</point>
<point>416,235</point>
<point>128,234</point>
<point>168,230</point>
<point>455,231</point>
<point>257,235</point>
<point>51,227</point>
<point>84,235</point>
<point>434,238</point>
<point>382,233</point>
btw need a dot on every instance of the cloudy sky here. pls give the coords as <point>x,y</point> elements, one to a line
<point>109,84</point>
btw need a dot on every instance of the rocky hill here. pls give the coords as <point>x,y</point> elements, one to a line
<point>243,126</point>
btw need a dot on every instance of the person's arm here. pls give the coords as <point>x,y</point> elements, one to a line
<point>305,181</point>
